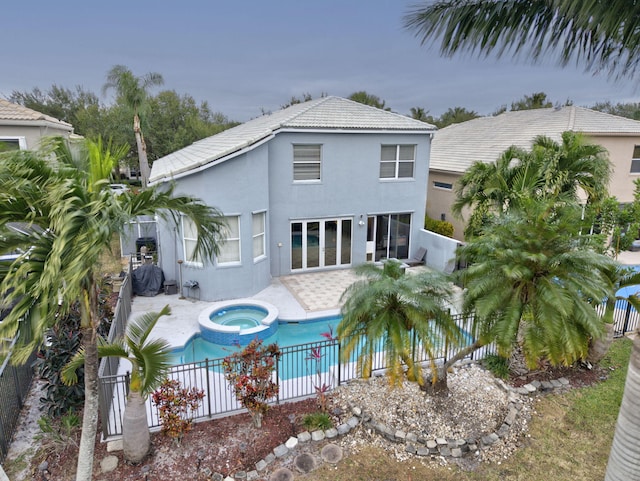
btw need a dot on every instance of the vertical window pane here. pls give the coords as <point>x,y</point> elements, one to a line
<point>258,226</point>
<point>230,249</point>
<point>405,169</point>
<point>313,244</point>
<point>189,239</point>
<point>345,248</point>
<point>296,245</point>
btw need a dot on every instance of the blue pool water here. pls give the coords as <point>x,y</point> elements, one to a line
<point>288,334</point>
<point>244,317</point>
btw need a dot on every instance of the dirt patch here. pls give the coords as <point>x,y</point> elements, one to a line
<point>226,446</point>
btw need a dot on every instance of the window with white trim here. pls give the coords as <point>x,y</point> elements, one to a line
<point>397,161</point>
<point>442,185</point>
<point>258,223</point>
<point>635,161</point>
<point>12,143</point>
<point>230,248</point>
<point>189,240</point>
<point>307,162</point>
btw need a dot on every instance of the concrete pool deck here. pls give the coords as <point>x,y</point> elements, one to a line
<point>297,297</point>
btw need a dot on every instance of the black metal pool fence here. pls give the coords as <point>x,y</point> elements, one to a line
<point>300,371</point>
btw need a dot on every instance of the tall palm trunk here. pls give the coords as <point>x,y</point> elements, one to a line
<point>624,458</point>
<point>84,470</point>
<point>142,151</point>
<point>136,440</point>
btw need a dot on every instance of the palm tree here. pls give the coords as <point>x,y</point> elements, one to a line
<point>150,361</point>
<point>574,164</point>
<point>533,282</point>
<point>549,171</point>
<point>605,36</point>
<point>133,92</point>
<point>390,307</point>
<point>624,459</point>
<point>77,216</point>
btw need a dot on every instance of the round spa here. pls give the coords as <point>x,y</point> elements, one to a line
<point>238,322</point>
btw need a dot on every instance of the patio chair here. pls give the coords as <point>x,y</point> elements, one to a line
<point>418,258</point>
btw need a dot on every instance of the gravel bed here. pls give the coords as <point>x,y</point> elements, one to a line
<point>476,405</point>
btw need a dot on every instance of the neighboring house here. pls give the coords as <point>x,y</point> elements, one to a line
<point>324,184</point>
<point>22,128</point>
<point>457,147</point>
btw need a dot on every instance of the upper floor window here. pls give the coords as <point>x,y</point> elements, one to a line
<point>230,248</point>
<point>307,161</point>
<point>635,161</point>
<point>258,225</point>
<point>189,241</point>
<point>396,161</point>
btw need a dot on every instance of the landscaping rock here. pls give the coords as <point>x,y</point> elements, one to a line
<point>305,462</point>
<point>304,437</point>
<point>291,443</point>
<point>280,451</point>
<point>317,435</point>
<point>282,474</point>
<point>113,446</point>
<point>331,453</point>
<point>331,433</point>
<point>108,464</point>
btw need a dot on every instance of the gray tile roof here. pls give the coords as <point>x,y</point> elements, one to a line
<point>457,146</point>
<point>14,112</point>
<point>327,113</point>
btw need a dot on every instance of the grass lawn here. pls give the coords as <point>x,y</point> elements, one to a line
<point>569,438</point>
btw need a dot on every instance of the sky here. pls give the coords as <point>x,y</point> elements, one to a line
<point>244,57</point>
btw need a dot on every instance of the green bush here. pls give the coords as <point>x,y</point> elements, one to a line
<point>63,340</point>
<point>441,227</point>
<point>317,421</point>
<point>498,365</point>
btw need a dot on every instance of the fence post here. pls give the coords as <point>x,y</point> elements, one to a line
<point>206,373</point>
<point>339,365</point>
<point>627,315</point>
<point>278,377</point>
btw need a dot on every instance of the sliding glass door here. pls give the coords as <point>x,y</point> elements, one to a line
<point>320,243</point>
<point>388,235</point>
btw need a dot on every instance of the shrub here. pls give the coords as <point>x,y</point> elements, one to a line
<point>249,374</point>
<point>441,227</point>
<point>498,365</point>
<point>56,434</point>
<point>63,341</point>
<point>177,407</point>
<point>317,421</point>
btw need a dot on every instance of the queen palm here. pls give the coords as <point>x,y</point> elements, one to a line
<point>150,360</point>
<point>548,281</point>
<point>605,36</point>
<point>133,92</point>
<point>76,217</point>
<point>390,307</point>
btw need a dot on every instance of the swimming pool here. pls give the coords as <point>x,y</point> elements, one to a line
<point>287,334</point>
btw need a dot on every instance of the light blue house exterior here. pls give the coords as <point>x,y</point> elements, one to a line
<point>325,184</point>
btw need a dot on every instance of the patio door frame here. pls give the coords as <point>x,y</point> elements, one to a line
<point>307,257</point>
<point>378,249</point>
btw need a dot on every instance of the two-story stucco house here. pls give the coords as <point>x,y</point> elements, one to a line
<point>22,128</point>
<point>456,147</point>
<point>324,184</point>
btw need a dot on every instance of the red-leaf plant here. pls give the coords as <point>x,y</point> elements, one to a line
<point>176,407</point>
<point>249,373</point>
